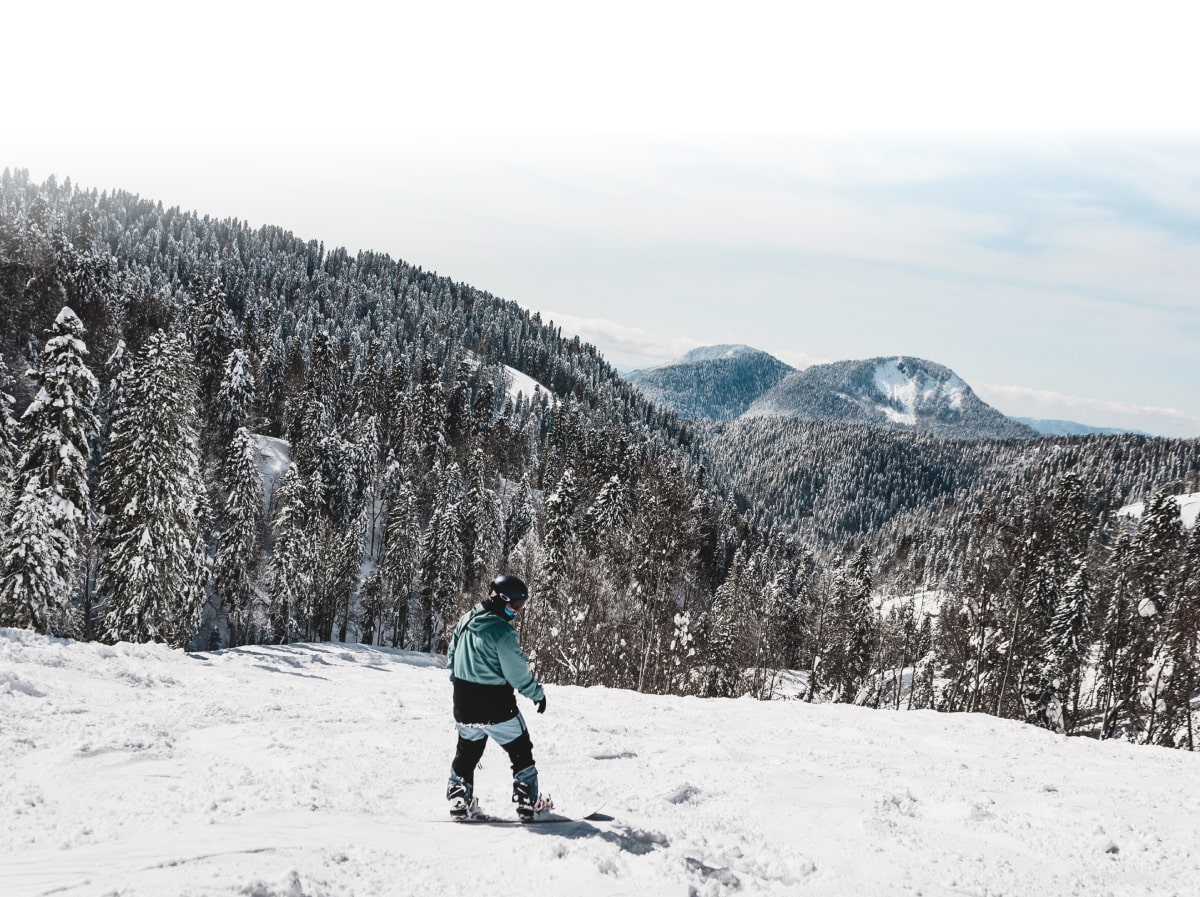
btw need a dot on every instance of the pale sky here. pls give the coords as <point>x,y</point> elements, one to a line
<point>1012,190</point>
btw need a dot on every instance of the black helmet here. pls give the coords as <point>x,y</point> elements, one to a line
<point>509,589</point>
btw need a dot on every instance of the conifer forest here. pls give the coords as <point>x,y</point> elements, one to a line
<point>153,360</point>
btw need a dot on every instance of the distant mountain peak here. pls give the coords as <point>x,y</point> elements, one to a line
<point>716,353</point>
<point>1073,428</point>
<point>908,384</point>
<point>899,392</point>
<point>714,382</point>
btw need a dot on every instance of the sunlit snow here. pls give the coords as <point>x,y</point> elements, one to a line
<point>911,392</point>
<point>523,384</point>
<point>319,770</point>
<point>1189,508</point>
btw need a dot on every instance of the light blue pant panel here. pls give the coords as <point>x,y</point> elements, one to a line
<point>501,733</point>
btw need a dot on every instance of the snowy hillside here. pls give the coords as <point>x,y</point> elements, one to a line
<point>714,382</point>
<point>318,770</point>
<point>519,384</point>
<point>902,393</point>
<point>1189,509</point>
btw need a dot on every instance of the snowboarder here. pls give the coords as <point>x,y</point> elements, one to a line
<point>486,665</point>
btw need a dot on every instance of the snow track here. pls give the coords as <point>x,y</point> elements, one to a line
<point>316,770</point>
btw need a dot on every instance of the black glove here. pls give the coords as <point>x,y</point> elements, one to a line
<point>541,705</point>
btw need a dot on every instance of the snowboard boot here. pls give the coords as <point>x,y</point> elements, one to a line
<point>525,795</point>
<point>463,804</point>
<point>526,803</point>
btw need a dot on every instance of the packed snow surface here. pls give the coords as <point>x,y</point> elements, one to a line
<point>319,769</point>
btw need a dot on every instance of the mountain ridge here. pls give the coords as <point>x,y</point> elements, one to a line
<point>711,382</point>
<point>727,382</point>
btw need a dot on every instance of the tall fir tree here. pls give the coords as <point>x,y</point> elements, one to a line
<point>31,584</point>
<point>152,499</point>
<point>1064,651</point>
<point>214,330</point>
<point>57,429</point>
<point>288,578</point>
<point>9,450</point>
<point>1124,645</point>
<point>442,563</point>
<point>483,529</point>
<point>235,395</point>
<point>401,561</point>
<point>239,551</point>
<point>1156,549</point>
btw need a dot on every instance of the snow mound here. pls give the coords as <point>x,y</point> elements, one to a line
<point>320,769</point>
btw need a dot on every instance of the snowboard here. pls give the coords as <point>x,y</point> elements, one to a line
<point>547,818</point>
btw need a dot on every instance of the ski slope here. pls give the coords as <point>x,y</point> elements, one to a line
<point>318,770</point>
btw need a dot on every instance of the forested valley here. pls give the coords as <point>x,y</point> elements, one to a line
<point>150,358</point>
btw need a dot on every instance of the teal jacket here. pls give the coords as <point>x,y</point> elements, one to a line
<point>486,663</point>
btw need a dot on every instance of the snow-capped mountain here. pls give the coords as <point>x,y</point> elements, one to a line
<point>900,393</point>
<point>715,382</point>
<point>732,381</point>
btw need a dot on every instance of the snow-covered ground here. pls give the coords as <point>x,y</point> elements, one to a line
<point>522,384</point>
<point>1189,509</point>
<point>319,770</point>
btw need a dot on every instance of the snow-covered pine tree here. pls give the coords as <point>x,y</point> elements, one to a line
<point>395,410</point>
<point>849,639</point>
<point>1064,651</point>
<point>483,530</point>
<point>560,540</point>
<point>151,497</point>
<point>32,590</point>
<point>1155,555</point>
<point>401,560</point>
<point>458,407</point>
<point>289,582</point>
<point>214,331</point>
<point>427,425</point>
<point>519,517</point>
<point>721,629</point>
<point>921,695</point>
<point>729,536</point>
<point>1184,644</point>
<point>347,567</point>
<point>60,423</point>
<point>664,570</point>
<point>1181,661</point>
<point>9,450</point>
<point>235,395</point>
<point>238,552</point>
<point>562,611</point>
<point>57,429</point>
<point>443,565</point>
<point>1124,645</point>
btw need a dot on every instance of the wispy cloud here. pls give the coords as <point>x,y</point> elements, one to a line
<point>1042,403</point>
<point>625,346</point>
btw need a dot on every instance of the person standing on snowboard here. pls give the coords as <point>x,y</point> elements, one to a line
<point>486,665</point>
